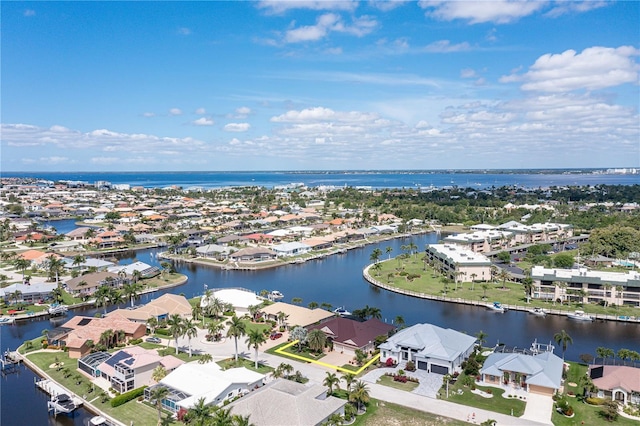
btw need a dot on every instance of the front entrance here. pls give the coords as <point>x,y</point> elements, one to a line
<point>439,369</point>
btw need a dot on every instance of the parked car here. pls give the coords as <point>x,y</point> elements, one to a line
<point>275,336</point>
<point>153,340</point>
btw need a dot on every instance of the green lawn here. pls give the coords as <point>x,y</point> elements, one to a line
<point>497,403</point>
<point>584,413</point>
<point>393,272</point>
<point>385,413</point>
<point>131,411</point>
<point>388,381</point>
<point>243,362</point>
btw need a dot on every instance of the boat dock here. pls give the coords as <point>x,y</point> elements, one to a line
<point>54,390</point>
<point>9,361</point>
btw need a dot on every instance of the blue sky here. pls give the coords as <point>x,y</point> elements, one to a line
<point>273,85</point>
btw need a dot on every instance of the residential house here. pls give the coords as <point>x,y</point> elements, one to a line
<point>539,373</point>
<point>618,382</point>
<point>295,315</point>
<point>192,381</point>
<point>89,283</point>
<point>27,293</point>
<point>161,308</point>
<point>431,348</point>
<point>252,254</point>
<point>293,248</point>
<point>288,403</point>
<point>347,335</point>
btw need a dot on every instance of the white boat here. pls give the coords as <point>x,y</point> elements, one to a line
<point>580,316</point>
<point>275,295</point>
<point>341,311</point>
<point>97,421</point>
<point>7,320</point>
<point>538,312</point>
<point>57,309</point>
<point>62,404</point>
<point>497,307</point>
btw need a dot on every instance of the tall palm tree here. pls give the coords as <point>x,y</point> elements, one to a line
<point>473,280</point>
<point>189,330</point>
<point>239,420</point>
<point>157,395</point>
<point>348,380</point>
<point>200,413</point>
<point>255,338</point>
<point>152,324</point>
<point>78,260</point>
<point>175,328</point>
<point>282,318</point>
<point>359,393</point>
<point>388,250</point>
<point>330,381</point>
<point>316,339</point>
<point>375,255</point>
<point>254,311</point>
<point>236,329</point>
<point>563,338</point>
<point>215,306</point>
<point>54,268</point>
<point>222,417</point>
<point>527,285</point>
<point>504,275</point>
<point>482,337</point>
<point>115,296</point>
<point>399,321</point>
<point>22,265</point>
<point>158,373</point>
<point>131,291</point>
<point>205,358</point>
<point>101,297</point>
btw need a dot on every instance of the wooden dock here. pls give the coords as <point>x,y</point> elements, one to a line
<point>53,389</point>
<point>9,361</point>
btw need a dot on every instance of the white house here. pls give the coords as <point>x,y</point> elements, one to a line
<point>293,248</point>
<point>192,381</point>
<point>432,348</point>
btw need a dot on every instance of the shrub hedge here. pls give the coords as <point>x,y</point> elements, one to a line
<point>127,396</point>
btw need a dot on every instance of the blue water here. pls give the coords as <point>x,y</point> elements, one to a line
<point>374,179</point>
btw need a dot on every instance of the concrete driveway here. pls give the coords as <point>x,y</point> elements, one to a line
<point>539,408</point>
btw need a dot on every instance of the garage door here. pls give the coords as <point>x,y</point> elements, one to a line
<point>439,369</point>
<point>423,365</point>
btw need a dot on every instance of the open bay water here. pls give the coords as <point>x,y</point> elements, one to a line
<point>373,179</point>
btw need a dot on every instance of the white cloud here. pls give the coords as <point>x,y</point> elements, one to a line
<point>201,111</point>
<point>566,7</point>
<point>387,5</point>
<point>203,121</point>
<point>237,127</point>
<point>498,11</point>
<point>327,23</point>
<point>445,46</point>
<point>175,111</point>
<point>468,73</point>
<point>594,68</point>
<point>243,111</point>
<point>29,12</point>
<point>184,31</point>
<point>148,114</point>
<point>281,6</point>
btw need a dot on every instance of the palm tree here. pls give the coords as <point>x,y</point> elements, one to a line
<point>214,306</point>
<point>399,321</point>
<point>348,380</point>
<point>254,311</point>
<point>313,305</point>
<point>189,330</point>
<point>485,287</point>
<point>482,337</point>
<point>604,353</point>
<point>388,250</point>
<point>106,338</point>
<point>78,260</point>
<point>372,312</point>
<point>330,381</point>
<point>205,358</point>
<point>473,280</point>
<point>136,275</point>
<point>316,339</point>
<point>157,395</point>
<point>296,300</point>
<point>132,291</point>
<point>375,255</point>
<point>158,373</point>
<point>22,265</point>
<point>115,296</point>
<point>199,413</point>
<point>102,297</point>
<point>282,319</point>
<point>239,420</point>
<point>563,338</point>
<point>237,328</point>
<point>54,268</point>
<point>175,328</point>
<point>255,338</point>
<point>326,306</point>
<point>359,394</point>
<point>527,285</point>
<point>222,417</point>
<point>504,275</point>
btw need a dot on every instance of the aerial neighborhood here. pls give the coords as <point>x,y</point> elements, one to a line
<point>256,357</point>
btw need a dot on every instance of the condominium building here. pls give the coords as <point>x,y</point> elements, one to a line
<point>459,263</point>
<point>586,286</point>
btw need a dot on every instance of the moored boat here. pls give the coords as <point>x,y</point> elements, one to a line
<point>580,316</point>
<point>62,403</point>
<point>538,312</point>
<point>7,320</point>
<point>57,309</point>
<point>497,307</point>
<point>275,295</point>
<point>341,311</point>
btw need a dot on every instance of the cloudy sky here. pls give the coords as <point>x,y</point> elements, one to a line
<point>274,85</point>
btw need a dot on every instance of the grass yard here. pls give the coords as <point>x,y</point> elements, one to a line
<point>394,272</point>
<point>388,381</point>
<point>388,414</point>
<point>80,385</point>
<point>497,403</point>
<point>243,362</point>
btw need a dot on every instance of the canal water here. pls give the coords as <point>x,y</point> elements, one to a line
<point>336,280</point>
